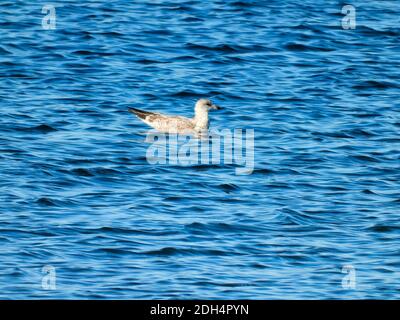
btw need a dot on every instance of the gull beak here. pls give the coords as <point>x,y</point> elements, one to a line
<point>215,107</point>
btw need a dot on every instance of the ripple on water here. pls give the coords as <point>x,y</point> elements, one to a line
<point>78,191</point>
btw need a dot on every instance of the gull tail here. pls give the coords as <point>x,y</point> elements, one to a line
<point>139,113</point>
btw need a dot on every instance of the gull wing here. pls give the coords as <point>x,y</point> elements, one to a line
<point>164,123</point>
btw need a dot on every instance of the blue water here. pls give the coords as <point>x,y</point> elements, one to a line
<point>78,195</point>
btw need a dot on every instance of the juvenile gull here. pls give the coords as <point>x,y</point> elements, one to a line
<point>177,124</point>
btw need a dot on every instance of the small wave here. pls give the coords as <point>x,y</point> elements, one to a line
<point>226,48</point>
<point>159,32</point>
<point>82,172</point>
<point>148,61</point>
<point>243,3</point>
<point>364,158</point>
<point>193,19</point>
<point>221,227</point>
<point>359,133</point>
<point>187,93</point>
<point>383,228</point>
<point>369,31</point>
<point>373,84</point>
<point>303,47</point>
<point>46,202</point>
<point>43,128</point>
<point>88,53</point>
<point>4,51</point>
<point>228,187</point>
<point>172,251</point>
<point>337,134</point>
<point>115,251</point>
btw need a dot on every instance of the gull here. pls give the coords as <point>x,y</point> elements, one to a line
<point>177,124</point>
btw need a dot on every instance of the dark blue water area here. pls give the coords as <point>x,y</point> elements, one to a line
<point>79,195</point>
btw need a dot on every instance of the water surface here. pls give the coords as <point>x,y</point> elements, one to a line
<point>78,194</point>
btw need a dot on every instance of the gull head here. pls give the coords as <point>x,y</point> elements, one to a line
<point>204,105</point>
